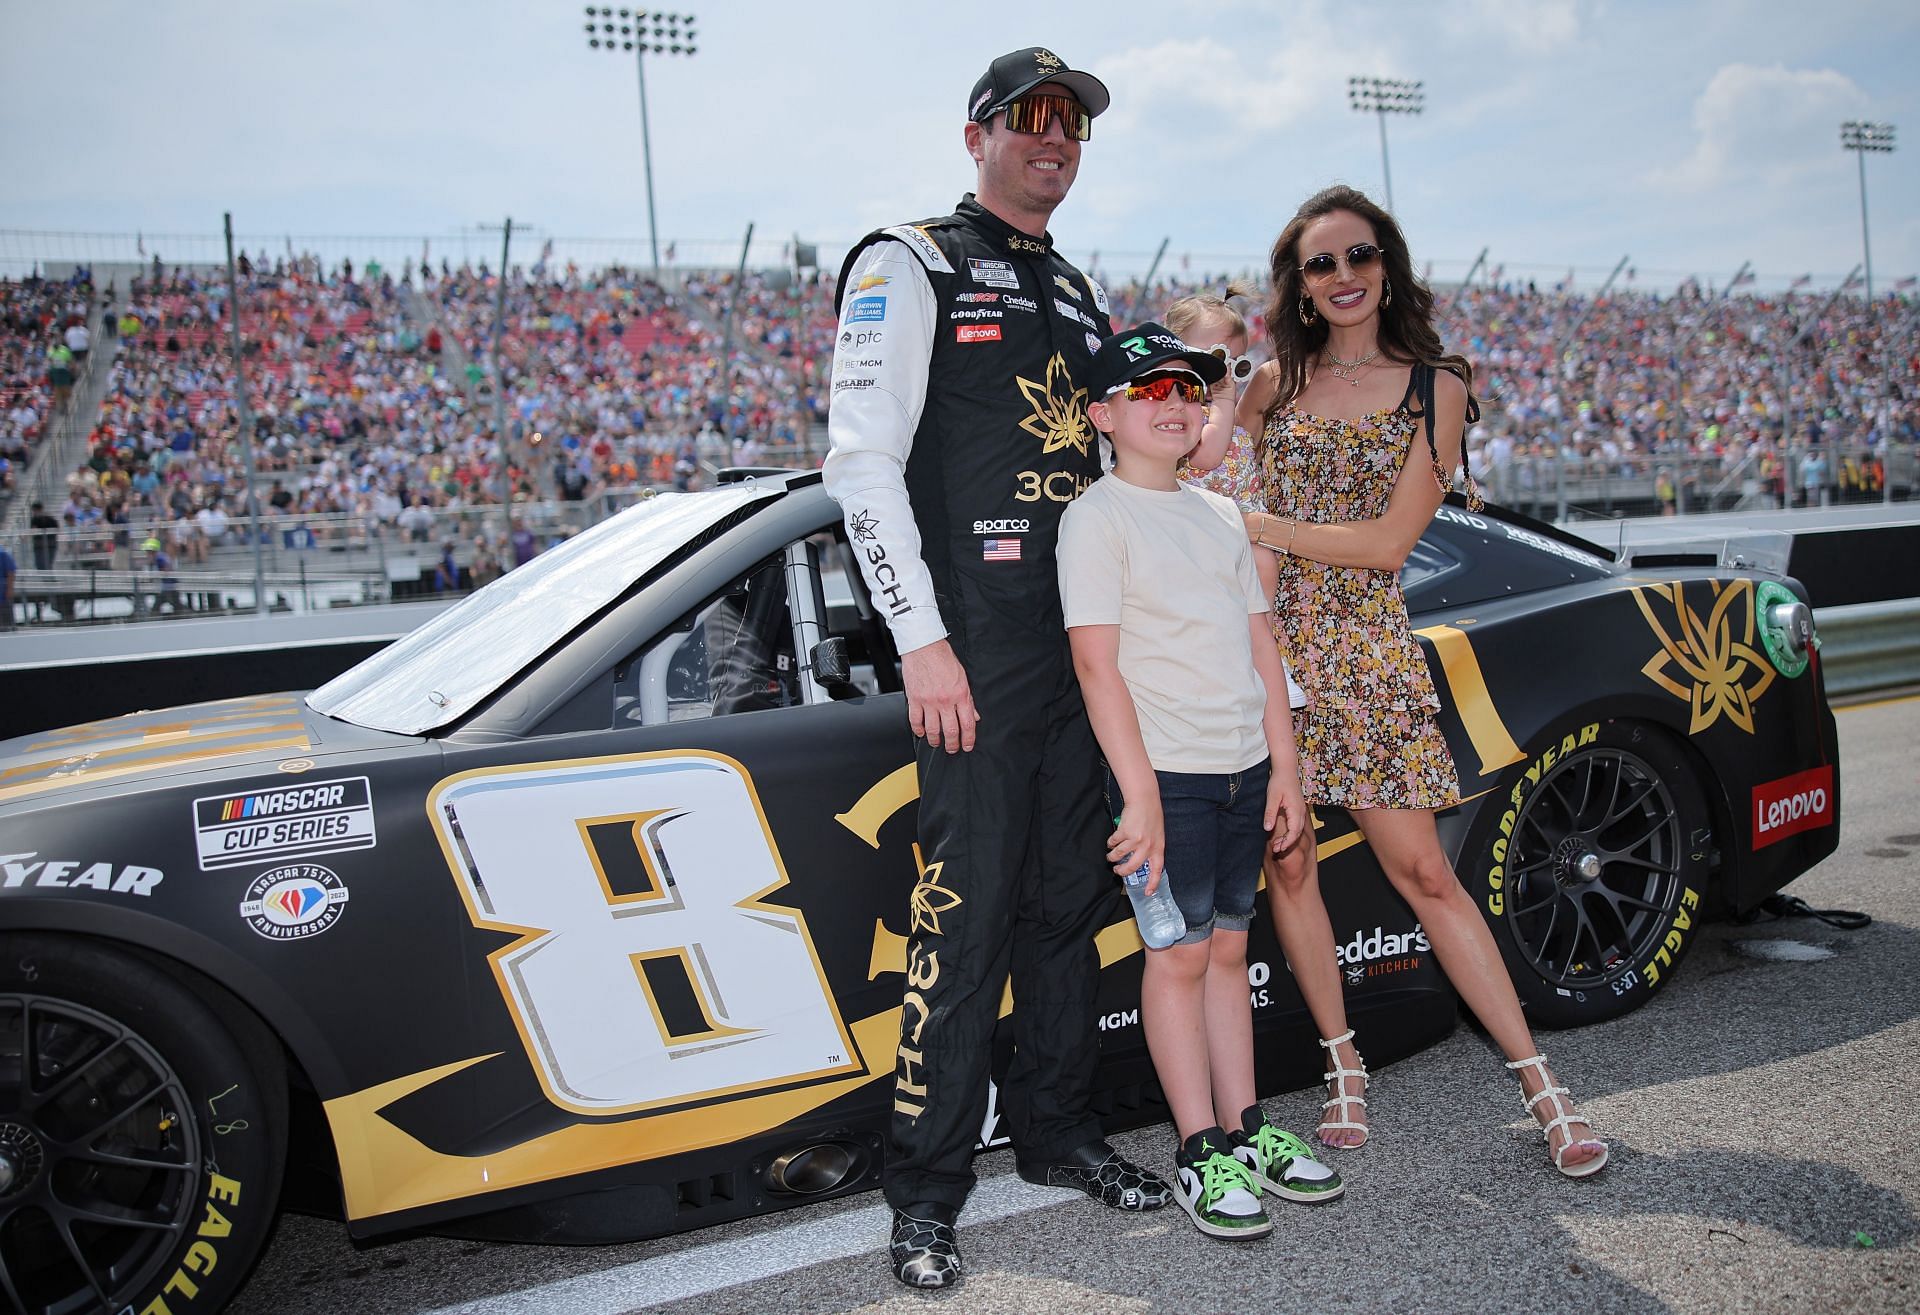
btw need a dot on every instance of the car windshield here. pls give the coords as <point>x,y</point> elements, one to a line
<point>443,670</point>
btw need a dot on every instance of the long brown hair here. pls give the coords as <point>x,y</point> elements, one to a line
<point>1406,322</point>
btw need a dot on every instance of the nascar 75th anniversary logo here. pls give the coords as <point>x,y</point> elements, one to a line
<point>298,821</point>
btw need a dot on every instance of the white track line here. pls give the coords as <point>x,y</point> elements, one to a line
<point>712,1266</point>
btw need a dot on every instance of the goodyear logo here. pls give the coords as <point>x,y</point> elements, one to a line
<point>321,817</point>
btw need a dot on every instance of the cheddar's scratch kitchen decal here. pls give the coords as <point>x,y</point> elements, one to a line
<point>297,821</point>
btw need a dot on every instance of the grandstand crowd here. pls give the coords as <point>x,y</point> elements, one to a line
<point>373,413</point>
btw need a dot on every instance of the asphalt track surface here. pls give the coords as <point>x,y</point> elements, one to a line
<point>1761,1112</point>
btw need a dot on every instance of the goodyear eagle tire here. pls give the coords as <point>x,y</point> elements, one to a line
<point>142,1135</point>
<point>1593,870</point>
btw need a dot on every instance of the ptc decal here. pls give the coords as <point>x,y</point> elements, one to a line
<point>294,902</point>
<point>302,821</point>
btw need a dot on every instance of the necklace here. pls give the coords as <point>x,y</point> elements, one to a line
<point>1348,370</point>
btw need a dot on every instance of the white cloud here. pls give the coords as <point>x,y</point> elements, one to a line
<point>1762,125</point>
<point>1533,27</point>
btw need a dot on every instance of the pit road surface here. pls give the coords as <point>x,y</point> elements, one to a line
<point>1761,1112</point>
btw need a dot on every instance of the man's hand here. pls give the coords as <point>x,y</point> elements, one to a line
<point>939,700</point>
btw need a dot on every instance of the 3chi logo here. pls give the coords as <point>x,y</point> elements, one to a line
<point>1047,62</point>
<point>1727,672</point>
<point>930,899</point>
<point>1059,418</point>
<point>863,526</point>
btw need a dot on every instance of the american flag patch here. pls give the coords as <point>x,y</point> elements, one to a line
<point>1000,550</point>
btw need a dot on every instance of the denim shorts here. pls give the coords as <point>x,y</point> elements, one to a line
<point>1214,828</point>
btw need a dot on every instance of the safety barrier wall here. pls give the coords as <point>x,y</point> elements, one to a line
<point>1869,646</point>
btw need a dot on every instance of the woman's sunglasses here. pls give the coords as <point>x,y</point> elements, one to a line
<point>1239,368</point>
<point>1032,114</point>
<point>1159,387</point>
<point>1324,266</point>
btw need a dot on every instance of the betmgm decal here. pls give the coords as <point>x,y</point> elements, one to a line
<point>646,971</point>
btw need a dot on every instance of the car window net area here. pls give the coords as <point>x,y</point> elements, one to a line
<point>442,671</point>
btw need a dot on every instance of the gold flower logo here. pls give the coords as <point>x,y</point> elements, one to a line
<point>1727,672</point>
<point>930,900</point>
<point>1046,61</point>
<point>1059,416</point>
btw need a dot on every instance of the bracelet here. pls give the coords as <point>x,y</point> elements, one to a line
<point>1293,528</point>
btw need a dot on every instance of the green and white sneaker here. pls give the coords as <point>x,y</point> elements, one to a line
<point>1216,1189</point>
<point>1280,1162</point>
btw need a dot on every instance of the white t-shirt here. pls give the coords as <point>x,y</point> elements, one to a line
<point>1173,569</point>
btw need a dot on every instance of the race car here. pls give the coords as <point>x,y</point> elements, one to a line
<point>579,913</point>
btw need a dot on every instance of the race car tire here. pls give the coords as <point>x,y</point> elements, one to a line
<point>142,1133</point>
<point>1592,870</point>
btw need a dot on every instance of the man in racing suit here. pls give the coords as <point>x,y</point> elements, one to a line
<point>958,435</point>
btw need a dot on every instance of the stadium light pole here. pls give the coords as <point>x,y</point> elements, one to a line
<point>1860,137</point>
<point>1381,97</point>
<point>642,32</point>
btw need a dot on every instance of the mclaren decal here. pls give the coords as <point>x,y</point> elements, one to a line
<point>1717,653</point>
<point>655,918</point>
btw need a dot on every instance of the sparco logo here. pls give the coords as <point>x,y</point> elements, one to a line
<point>1002,527</point>
<point>1796,803</point>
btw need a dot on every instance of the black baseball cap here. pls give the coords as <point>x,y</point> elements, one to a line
<point>1013,75</point>
<point>1143,349</point>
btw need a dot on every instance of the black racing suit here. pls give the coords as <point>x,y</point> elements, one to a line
<point>959,433</point>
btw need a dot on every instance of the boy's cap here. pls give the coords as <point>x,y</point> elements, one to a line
<point>1142,350</point>
<point>1013,75</point>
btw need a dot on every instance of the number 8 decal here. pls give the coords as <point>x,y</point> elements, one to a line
<point>647,971</point>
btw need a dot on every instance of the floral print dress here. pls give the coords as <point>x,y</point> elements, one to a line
<point>1367,737</point>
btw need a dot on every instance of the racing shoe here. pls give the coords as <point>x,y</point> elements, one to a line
<point>1280,1162</point>
<point>1217,1190</point>
<point>1105,1175</point>
<point>925,1250</point>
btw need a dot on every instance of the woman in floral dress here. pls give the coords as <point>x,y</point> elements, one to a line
<point>1361,417</point>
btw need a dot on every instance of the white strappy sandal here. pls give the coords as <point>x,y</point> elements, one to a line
<point>1562,1119</point>
<point>1339,1075</point>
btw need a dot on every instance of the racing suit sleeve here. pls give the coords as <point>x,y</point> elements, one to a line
<point>880,366</point>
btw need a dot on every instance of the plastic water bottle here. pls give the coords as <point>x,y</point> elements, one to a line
<point>1160,919</point>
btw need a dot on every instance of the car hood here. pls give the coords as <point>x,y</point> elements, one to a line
<point>124,751</point>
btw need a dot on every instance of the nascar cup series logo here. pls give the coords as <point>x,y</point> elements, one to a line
<point>296,821</point>
<point>294,902</point>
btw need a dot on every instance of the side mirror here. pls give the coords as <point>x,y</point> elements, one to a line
<point>828,659</point>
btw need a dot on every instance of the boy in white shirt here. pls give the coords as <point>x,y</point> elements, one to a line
<point>1189,700</point>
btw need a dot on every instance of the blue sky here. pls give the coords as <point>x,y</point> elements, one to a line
<point>1558,133</point>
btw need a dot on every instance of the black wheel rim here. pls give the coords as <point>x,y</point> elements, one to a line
<point>1593,868</point>
<point>99,1158</point>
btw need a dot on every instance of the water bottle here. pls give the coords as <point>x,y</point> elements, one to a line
<point>1160,919</point>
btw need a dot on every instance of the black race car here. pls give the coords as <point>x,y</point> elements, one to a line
<point>578,913</point>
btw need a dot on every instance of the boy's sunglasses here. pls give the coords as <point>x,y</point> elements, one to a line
<point>1159,387</point>
<point>1032,114</point>
<point>1239,368</point>
<point>1324,266</point>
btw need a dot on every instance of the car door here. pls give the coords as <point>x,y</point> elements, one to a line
<point>685,921</point>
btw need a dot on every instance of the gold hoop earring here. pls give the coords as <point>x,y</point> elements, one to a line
<point>1386,296</point>
<point>1307,317</point>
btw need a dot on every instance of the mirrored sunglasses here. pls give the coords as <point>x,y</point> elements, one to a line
<point>1361,257</point>
<point>1159,387</point>
<point>1032,114</point>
